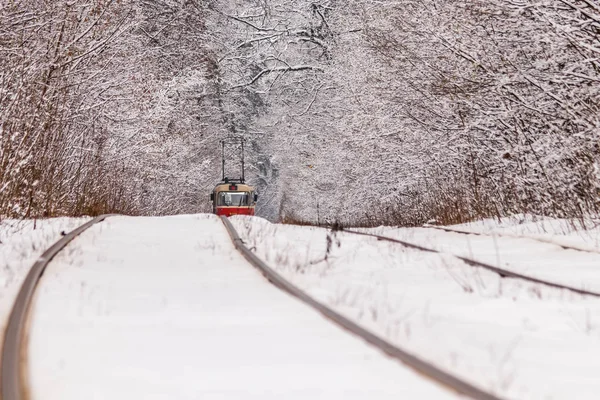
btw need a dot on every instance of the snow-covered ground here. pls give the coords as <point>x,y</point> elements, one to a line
<point>21,243</point>
<point>165,308</point>
<point>520,340</point>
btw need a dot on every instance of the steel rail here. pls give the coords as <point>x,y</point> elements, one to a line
<point>474,263</point>
<point>421,366</point>
<point>504,235</point>
<point>12,383</point>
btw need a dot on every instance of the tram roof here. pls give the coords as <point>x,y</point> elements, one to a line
<point>233,186</point>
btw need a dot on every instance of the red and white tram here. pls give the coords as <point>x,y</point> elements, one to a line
<point>233,198</point>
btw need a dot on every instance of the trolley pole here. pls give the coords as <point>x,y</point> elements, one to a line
<point>223,158</point>
<point>243,172</point>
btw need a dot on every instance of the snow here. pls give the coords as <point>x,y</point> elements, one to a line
<point>165,308</point>
<point>21,243</point>
<point>517,339</point>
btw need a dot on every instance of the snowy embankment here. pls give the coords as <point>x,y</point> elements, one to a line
<point>519,340</point>
<point>166,308</point>
<point>21,243</point>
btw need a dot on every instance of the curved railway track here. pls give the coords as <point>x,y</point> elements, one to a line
<point>12,364</point>
<point>12,381</point>
<point>423,367</point>
<point>504,273</point>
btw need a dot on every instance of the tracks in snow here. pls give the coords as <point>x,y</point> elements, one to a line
<point>14,358</point>
<point>537,239</point>
<point>504,273</point>
<point>421,366</point>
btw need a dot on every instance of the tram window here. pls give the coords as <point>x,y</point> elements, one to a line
<point>234,199</point>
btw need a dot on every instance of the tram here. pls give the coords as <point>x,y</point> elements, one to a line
<point>233,196</point>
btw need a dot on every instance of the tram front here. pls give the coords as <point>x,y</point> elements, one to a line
<point>233,198</point>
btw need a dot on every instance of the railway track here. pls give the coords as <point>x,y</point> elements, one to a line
<point>12,367</point>
<point>504,273</point>
<point>537,239</point>
<point>13,386</point>
<point>423,367</point>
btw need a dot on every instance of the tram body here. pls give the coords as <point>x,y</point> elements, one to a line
<point>233,198</point>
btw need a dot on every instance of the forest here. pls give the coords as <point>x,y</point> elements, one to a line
<point>356,111</point>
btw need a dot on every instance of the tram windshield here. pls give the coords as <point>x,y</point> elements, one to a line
<point>234,199</point>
